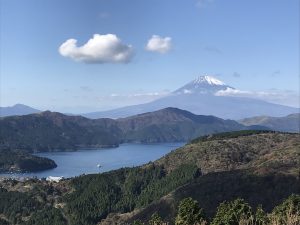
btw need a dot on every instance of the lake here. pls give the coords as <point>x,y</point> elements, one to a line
<point>70,164</point>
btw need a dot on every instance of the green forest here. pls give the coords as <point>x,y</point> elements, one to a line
<point>240,176</point>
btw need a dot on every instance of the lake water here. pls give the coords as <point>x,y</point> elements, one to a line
<point>70,164</point>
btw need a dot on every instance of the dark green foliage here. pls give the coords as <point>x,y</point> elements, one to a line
<point>137,222</point>
<point>91,198</point>
<point>158,188</point>
<point>4,222</point>
<point>46,217</point>
<point>230,213</point>
<point>155,219</point>
<point>18,161</point>
<point>189,212</point>
<point>236,212</point>
<point>122,190</point>
<point>50,131</point>
<point>233,134</point>
<point>211,189</point>
<point>290,206</point>
<point>15,205</point>
<point>261,216</point>
<point>172,124</point>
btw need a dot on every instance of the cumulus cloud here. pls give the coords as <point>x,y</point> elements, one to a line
<point>106,48</point>
<point>283,97</point>
<point>159,44</point>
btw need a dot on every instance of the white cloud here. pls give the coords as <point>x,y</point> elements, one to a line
<point>185,91</point>
<point>232,92</point>
<point>106,48</point>
<point>283,97</point>
<point>159,44</point>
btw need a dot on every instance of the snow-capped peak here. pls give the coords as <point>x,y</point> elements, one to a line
<point>208,79</point>
<point>202,85</point>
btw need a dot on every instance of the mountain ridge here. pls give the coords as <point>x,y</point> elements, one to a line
<point>199,97</point>
<point>17,110</point>
<point>50,131</point>
<point>289,123</point>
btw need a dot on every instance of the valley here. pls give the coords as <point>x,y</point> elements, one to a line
<point>245,164</point>
<point>149,112</point>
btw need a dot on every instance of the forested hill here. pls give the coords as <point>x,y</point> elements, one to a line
<point>20,161</point>
<point>289,123</point>
<point>49,131</point>
<point>260,167</point>
<point>172,124</point>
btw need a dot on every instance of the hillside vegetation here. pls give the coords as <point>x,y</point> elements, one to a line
<point>49,131</point>
<point>18,161</point>
<point>290,123</point>
<point>260,167</point>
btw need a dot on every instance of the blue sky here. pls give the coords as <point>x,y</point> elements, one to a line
<point>252,45</point>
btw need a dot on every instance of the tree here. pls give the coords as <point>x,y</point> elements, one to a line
<point>155,219</point>
<point>230,213</point>
<point>261,217</point>
<point>189,213</point>
<point>288,212</point>
<point>137,222</point>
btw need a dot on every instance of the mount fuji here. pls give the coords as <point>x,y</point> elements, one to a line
<point>200,97</point>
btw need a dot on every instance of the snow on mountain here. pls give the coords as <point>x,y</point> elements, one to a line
<point>205,95</point>
<point>203,85</point>
<point>208,79</point>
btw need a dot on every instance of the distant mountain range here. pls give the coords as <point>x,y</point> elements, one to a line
<point>201,96</point>
<point>50,131</point>
<point>17,110</point>
<point>290,123</point>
